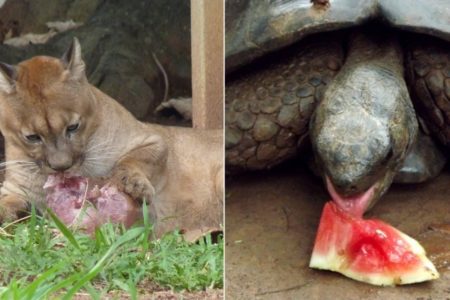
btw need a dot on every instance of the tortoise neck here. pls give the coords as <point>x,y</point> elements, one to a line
<point>378,48</point>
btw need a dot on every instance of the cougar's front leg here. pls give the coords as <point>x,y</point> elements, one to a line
<point>22,185</point>
<point>12,207</point>
<point>139,172</point>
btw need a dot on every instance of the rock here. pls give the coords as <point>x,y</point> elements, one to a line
<point>118,39</point>
<point>136,95</point>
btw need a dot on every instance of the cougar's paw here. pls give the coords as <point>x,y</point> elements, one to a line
<point>134,183</point>
<point>12,207</point>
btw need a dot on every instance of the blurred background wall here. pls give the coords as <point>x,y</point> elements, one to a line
<point>118,39</point>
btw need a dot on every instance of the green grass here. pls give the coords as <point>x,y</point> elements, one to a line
<point>40,258</point>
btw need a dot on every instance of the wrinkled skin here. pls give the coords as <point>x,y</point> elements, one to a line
<point>365,124</point>
<point>428,77</point>
<point>268,107</point>
<point>258,139</point>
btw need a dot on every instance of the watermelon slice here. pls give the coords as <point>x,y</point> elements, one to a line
<point>368,250</point>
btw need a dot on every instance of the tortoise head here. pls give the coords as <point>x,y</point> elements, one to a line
<point>361,132</point>
<point>357,157</point>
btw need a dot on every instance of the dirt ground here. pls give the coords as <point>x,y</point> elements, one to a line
<point>271,222</point>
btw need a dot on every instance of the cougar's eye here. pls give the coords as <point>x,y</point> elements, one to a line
<point>72,128</point>
<point>33,138</point>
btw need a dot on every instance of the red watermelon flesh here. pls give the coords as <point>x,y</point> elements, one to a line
<point>368,250</point>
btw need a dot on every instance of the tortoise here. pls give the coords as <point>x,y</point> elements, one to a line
<point>365,83</point>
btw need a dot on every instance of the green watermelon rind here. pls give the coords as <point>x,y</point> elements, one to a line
<point>332,261</point>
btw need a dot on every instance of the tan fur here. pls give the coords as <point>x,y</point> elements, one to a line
<point>179,171</point>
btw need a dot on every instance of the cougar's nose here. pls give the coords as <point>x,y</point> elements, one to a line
<point>60,161</point>
<point>61,168</point>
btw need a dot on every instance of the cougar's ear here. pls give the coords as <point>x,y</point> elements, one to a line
<point>8,76</point>
<point>73,61</point>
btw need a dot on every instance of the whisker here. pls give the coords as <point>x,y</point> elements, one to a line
<point>7,163</point>
<point>21,171</point>
<point>98,161</point>
<point>100,158</point>
<point>106,141</point>
<point>105,158</point>
<point>18,163</point>
<point>22,177</point>
<point>85,171</point>
<point>102,149</point>
<point>94,165</point>
<point>4,164</point>
<point>17,168</point>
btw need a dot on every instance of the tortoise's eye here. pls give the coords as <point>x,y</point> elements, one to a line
<point>33,138</point>
<point>72,128</point>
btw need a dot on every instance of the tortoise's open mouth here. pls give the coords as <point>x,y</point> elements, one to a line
<point>355,204</point>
